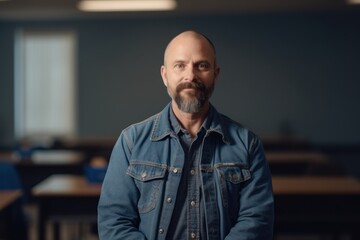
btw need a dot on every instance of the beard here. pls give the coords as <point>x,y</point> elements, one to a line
<point>193,102</point>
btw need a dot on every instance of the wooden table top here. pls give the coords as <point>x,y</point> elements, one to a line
<point>49,157</point>
<point>66,185</point>
<point>316,185</point>
<point>7,197</point>
<point>296,157</point>
<point>74,185</point>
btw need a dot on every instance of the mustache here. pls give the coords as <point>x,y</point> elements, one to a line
<point>194,85</point>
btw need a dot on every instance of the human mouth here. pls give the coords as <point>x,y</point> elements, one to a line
<point>189,86</point>
<point>184,86</point>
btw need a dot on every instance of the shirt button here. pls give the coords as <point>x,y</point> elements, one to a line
<point>175,170</point>
<point>192,172</point>
<point>161,231</point>
<point>169,199</point>
<point>193,235</point>
<point>193,203</point>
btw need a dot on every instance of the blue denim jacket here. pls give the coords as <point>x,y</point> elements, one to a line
<point>134,201</point>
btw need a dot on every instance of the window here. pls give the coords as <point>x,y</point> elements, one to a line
<point>45,83</point>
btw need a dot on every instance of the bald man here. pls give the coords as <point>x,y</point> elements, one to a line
<point>187,172</point>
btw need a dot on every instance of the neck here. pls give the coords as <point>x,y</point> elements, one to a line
<point>191,121</point>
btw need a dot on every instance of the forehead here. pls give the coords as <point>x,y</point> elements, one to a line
<point>189,45</point>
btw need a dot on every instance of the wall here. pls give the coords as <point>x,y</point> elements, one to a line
<point>280,74</point>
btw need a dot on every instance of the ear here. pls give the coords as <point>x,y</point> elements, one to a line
<point>163,74</point>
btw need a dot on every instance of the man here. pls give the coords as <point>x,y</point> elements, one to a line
<point>187,172</point>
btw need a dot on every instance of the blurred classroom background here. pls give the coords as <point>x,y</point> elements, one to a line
<point>71,80</point>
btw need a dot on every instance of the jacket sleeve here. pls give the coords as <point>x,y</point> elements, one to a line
<point>256,213</point>
<point>118,216</point>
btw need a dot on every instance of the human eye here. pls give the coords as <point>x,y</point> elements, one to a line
<point>179,66</point>
<point>203,66</point>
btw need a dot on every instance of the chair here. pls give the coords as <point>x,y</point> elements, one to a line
<point>10,180</point>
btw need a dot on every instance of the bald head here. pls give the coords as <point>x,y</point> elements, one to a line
<point>186,38</point>
<point>190,72</point>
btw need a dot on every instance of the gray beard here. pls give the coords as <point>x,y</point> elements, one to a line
<point>197,102</point>
<point>194,105</point>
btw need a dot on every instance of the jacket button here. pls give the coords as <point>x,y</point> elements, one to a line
<point>193,203</point>
<point>193,235</point>
<point>175,170</point>
<point>169,199</point>
<point>192,172</point>
<point>161,231</point>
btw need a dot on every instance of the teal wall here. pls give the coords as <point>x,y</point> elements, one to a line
<point>280,73</point>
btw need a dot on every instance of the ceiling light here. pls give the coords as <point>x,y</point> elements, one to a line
<point>353,1</point>
<point>126,5</point>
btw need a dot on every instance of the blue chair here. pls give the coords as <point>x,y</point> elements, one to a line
<point>10,180</point>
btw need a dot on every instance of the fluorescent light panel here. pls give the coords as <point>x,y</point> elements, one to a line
<point>126,5</point>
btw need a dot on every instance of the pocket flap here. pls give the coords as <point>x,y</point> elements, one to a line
<point>145,171</point>
<point>234,174</point>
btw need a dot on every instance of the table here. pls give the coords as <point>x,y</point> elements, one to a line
<point>296,157</point>
<point>302,204</point>
<point>65,196</point>
<point>313,185</point>
<point>317,204</point>
<point>7,198</point>
<point>302,162</point>
<point>44,164</point>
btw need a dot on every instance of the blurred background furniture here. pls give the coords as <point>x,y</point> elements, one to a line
<point>16,222</point>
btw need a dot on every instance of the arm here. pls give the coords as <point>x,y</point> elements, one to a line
<point>256,214</point>
<point>118,216</point>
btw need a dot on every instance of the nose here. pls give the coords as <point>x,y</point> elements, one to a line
<point>190,74</point>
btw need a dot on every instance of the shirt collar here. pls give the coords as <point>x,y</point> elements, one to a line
<point>174,122</point>
<point>176,126</point>
<point>166,124</point>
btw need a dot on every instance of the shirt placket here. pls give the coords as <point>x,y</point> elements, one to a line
<point>194,193</point>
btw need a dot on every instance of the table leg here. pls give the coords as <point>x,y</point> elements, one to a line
<point>56,227</point>
<point>41,221</point>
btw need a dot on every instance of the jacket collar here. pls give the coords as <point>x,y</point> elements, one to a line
<point>162,127</point>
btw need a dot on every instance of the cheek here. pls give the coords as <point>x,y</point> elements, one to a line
<point>209,81</point>
<point>172,80</point>
<point>172,88</point>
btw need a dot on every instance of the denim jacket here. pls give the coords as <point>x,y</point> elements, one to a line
<point>140,182</point>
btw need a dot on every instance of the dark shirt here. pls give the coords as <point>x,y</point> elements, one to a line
<point>188,219</point>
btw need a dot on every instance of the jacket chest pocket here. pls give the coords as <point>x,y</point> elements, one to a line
<point>231,177</point>
<point>149,178</point>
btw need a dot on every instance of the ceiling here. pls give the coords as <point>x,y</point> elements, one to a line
<point>64,9</point>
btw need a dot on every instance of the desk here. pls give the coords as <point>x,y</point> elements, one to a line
<point>302,204</point>
<point>46,163</point>
<point>7,197</point>
<point>317,205</point>
<point>61,196</point>
<point>302,162</point>
<point>310,185</point>
<point>296,157</point>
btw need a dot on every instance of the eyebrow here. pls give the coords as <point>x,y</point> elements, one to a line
<point>177,61</point>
